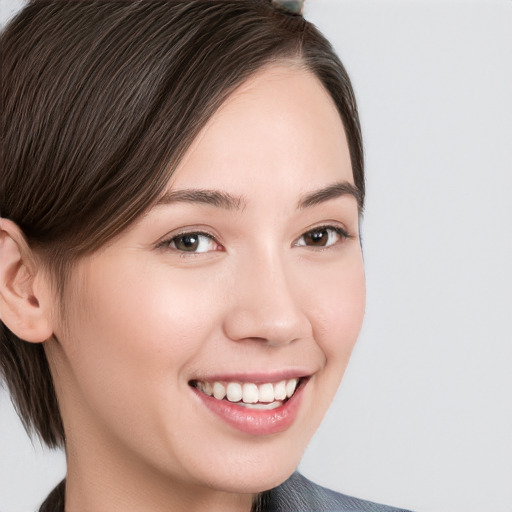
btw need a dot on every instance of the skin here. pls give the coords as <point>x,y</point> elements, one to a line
<point>144,318</point>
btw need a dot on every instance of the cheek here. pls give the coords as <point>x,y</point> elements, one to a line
<point>338,311</point>
<point>134,333</point>
<point>150,312</point>
<point>130,340</point>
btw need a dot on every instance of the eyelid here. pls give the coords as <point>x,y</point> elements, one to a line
<point>198,229</point>
<point>337,226</point>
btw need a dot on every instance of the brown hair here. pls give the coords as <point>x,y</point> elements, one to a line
<point>100,100</point>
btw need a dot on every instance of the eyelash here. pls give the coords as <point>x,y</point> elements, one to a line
<point>342,233</point>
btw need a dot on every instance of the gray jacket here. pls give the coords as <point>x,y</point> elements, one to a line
<point>298,494</point>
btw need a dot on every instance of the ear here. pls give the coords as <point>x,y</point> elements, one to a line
<point>24,306</point>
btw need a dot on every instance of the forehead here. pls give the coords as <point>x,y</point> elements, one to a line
<point>281,126</point>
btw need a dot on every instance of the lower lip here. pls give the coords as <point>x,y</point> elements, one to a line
<point>256,422</point>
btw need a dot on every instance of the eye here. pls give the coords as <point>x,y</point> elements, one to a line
<point>323,236</point>
<point>192,243</point>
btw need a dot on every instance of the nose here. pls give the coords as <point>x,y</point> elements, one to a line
<point>266,305</point>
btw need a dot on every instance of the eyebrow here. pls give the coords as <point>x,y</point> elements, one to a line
<point>220,199</point>
<point>215,198</point>
<point>333,191</point>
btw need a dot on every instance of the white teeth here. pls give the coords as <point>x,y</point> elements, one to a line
<point>266,393</point>
<point>207,388</point>
<point>250,393</point>
<point>262,396</point>
<point>266,407</point>
<point>280,390</point>
<point>219,390</point>
<point>291,385</point>
<point>234,392</point>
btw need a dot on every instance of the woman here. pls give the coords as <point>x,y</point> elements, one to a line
<point>181,280</point>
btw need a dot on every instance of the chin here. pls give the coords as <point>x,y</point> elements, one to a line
<point>252,467</point>
<point>253,479</point>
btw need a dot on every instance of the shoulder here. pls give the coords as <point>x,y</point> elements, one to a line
<point>298,494</point>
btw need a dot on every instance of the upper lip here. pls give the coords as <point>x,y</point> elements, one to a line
<point>255,377</point>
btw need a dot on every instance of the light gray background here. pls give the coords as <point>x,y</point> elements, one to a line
<point>423,418</point>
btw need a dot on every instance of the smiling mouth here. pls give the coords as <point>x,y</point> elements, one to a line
<point>264,396</point>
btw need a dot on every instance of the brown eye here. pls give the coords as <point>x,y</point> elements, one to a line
<point>193,242</point>
<point>187,242</point>
<point>322,237</point>
<point>318,237</point>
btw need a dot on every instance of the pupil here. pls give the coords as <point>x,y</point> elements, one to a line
<point>318,237</point>
<point>188,242</point>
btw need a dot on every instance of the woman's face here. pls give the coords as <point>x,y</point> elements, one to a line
<point>246,277</point>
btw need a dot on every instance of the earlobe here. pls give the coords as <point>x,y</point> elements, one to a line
<point>21,306</point>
